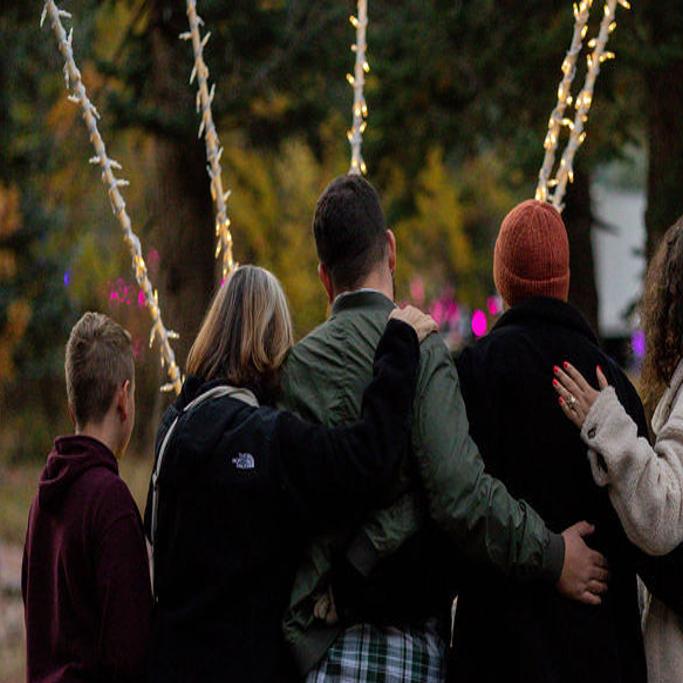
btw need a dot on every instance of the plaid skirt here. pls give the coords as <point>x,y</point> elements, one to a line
<point>373,654</point>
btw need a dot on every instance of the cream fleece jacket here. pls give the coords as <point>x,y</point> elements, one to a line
<point>645,485</point>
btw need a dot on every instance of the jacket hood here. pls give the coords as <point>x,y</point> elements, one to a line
<point>70,457</point>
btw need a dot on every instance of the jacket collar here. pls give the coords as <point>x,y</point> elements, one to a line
<point>195,386</point>
<point>543,309</point>
<point>362,299</point>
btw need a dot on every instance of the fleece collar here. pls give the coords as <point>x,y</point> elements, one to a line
<point>668,400</point>
<point>553,311</point>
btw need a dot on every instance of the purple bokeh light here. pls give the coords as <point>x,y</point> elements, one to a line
<point>638,344</point>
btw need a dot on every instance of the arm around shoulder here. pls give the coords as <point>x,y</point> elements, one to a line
<point>475,509</point>
<point>335,472</point>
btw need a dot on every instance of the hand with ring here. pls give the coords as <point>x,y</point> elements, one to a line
<point>576,395</point>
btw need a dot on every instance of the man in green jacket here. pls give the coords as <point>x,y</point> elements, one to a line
<point>323,380</point>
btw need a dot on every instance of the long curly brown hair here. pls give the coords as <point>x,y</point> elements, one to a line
<point>662,315</point>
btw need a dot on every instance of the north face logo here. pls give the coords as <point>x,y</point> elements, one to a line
<point>244,461</point>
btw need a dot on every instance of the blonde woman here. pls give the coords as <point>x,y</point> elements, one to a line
<point>239,486</point>
<point>645,483</point>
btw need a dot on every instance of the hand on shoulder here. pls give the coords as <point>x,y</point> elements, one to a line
<point>422,323</point>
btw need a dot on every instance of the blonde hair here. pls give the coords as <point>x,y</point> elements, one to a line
<point>246,332</point>
<point>99,359</point>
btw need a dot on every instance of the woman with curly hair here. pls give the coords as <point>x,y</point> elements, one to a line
<point>645,482</point>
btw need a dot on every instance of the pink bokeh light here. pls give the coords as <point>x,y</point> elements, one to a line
<point>480,324</point>
<point>417,290</point>
<point>445,312</point>
<point>494,305</point>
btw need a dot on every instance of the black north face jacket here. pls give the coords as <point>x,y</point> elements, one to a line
<point>241,489</point>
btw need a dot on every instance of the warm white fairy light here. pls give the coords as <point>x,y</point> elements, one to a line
<point>78,95</point>
<point>583,103</point>
<point>357,82</point>
<point>214,151</point>
<point>564,96</point>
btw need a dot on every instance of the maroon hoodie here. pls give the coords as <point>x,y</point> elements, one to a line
<point>85,577</point>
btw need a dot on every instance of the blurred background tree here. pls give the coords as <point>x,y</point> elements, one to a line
<point>459,97</point>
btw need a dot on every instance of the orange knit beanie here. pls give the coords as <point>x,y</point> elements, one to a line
<point>532,254</point>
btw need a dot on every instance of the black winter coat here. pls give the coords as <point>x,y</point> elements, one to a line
<point>241,489</point>
<point>529,633</point>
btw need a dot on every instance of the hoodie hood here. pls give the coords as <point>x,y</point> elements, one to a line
<point>70,457</point>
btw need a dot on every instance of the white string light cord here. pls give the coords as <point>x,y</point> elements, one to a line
<point>214,151</point>
<point>557,120</point>
<point>584,100</point>
<point>357,82</point>
<point>78,95</point>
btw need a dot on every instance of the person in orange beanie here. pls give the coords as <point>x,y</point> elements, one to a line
<point>531,257</point>
<point>527,632</point>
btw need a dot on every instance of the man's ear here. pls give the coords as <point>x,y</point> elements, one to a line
<point>326,280</point>
<point>122,400</point>
<point>391,247</point>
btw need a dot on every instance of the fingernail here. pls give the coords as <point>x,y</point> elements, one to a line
<point>556,370</point>
<point>600,368</point>
<point>561,401</point>
<point>565,365</point>
<point>556,383</point>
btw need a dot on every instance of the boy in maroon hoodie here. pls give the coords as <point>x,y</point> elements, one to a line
<point>85,576</point>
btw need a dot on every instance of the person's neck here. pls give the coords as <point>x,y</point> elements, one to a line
<point>105,433</point>
<point>375,281</point>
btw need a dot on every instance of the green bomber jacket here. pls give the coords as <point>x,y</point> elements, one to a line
<point>323,381</point>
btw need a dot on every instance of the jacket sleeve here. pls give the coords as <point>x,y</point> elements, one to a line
<point>645,484</point>
<point>472,508</point>
<point>125,600</point>
<point>661,574</point>
<point>331,473</point>
<point>475,510</point>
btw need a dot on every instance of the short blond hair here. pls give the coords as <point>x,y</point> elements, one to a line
<point>99,359</point>
<point>246,332</point>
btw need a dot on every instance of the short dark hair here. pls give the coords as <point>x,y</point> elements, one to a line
<point>350,230</point>
<point>99,359</point>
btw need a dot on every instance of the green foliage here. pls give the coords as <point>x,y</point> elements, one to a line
<point>459,96</point>
<point>271,206</point>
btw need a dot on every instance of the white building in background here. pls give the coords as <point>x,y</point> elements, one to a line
<point>619,252</point>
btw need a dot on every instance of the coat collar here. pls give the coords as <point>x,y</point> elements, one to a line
<point>362,298</point>
<point>543,309</point>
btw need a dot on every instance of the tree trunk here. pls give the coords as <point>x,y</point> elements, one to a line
<point>183,224</point>
<point>664,83</point>
<point>578,216</point>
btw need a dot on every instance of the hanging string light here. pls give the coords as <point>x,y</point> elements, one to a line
<point>582,104</point>
<point>357,82</point>
<point>78,95</point>
<point>564,97</point>
<point>214,151</point>
<point>584,100</point>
